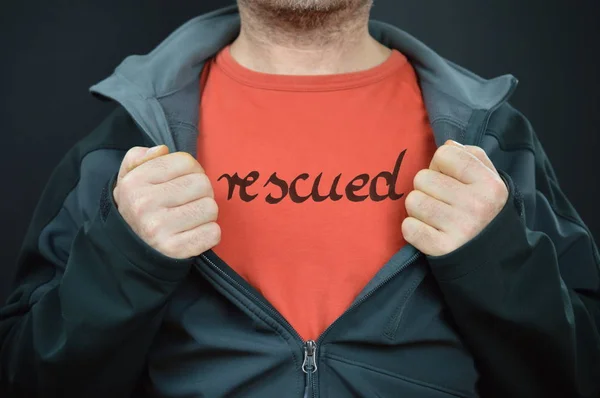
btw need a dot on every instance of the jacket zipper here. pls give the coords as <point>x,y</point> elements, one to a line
<point>309,347</point>
<point>309,366</point>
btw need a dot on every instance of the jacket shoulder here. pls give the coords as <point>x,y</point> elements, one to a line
<point>116,130</point>
<point>71,196</point>
<point>511,128</point>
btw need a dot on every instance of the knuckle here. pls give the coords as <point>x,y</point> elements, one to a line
<point>196,182</point>
<point>203,180</point>
<point>420,178</point>
<point>468,229</point>
<point>202,209</point>
<point>463,166</point>
<point>412,200</point>
<point>169,248</point>
<point>213,233</point>
<point>207,188</point>
<point>117,194</point>
<point>446,246</point>
<point>189,211</point>
<point>410,230</point>
<point>139,204</point>
<point>136,148</point>
<point>160,163</point>
<point>201,183</point>
<point>133,151</point>
<point>479,207</point>
<point>186,182</point>
<point>187,159</point>
<point>471,160</point>
<point>448,184</point>
<point>150,228</point>
<point>485,207</point>
<point>406,229</point>
<point>205,237</point>
<point>444,151</point>
<point>482,154</point>
<point>498,189</point>
<point>477,149</point>
<point>128,182</point>
<point>211,208</point>
<point>445,154</point>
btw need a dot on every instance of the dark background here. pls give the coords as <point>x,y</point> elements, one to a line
<point>52,51</point>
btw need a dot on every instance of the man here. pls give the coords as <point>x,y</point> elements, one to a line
<point>329,209</point>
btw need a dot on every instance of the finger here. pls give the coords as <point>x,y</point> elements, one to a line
<point>422,236</point>
<point>455,143</point>
<point>191,215</point>
<point>165,168</point>
<point>477,151</point>
<point>457,163</point>
<point>139,155</point>
<point>481,155</point>
<point>195,241</point>
<point>438,186</point>
<point>152,153</point>
<point>184,189</point>
<point>429,210</point>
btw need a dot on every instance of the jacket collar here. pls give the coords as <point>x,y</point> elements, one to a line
<point>152,86</point>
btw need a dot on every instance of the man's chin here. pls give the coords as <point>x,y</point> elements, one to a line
<point>306,15</point>
<point>305,6</point>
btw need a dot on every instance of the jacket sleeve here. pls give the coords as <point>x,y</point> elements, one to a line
<point>89,294</point>
<point>525,292</point>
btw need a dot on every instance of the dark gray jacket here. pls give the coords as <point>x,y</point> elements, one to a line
<point>95,312</point>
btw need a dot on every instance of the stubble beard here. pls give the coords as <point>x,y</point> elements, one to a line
<point>303,16</point>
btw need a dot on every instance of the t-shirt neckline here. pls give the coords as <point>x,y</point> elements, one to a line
<point>339,81</point>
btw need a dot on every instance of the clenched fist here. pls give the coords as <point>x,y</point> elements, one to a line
<point>168,200</point>
<point>454,199</point>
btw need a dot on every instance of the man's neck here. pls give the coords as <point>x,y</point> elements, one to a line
<point>306,42</point>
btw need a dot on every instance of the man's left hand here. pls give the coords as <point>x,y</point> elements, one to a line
<point>454,199</point>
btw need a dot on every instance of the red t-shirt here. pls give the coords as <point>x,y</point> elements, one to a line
<point>310,175</point>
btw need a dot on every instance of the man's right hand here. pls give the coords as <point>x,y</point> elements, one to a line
<point>168,200</point>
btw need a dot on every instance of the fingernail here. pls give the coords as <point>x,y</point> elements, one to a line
<point>457,143</point>
<point>153,150</point>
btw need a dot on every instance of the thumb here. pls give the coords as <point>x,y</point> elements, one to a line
<point>138,155</point>
<point>481,155</point>
<point>476,151</point>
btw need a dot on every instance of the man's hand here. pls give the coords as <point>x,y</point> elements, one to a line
<point>453,200</point>
<point>168,200</point>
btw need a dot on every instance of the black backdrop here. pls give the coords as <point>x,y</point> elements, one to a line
<point>52,51</point>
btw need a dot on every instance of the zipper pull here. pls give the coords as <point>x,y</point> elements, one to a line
<point>310,362</point>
